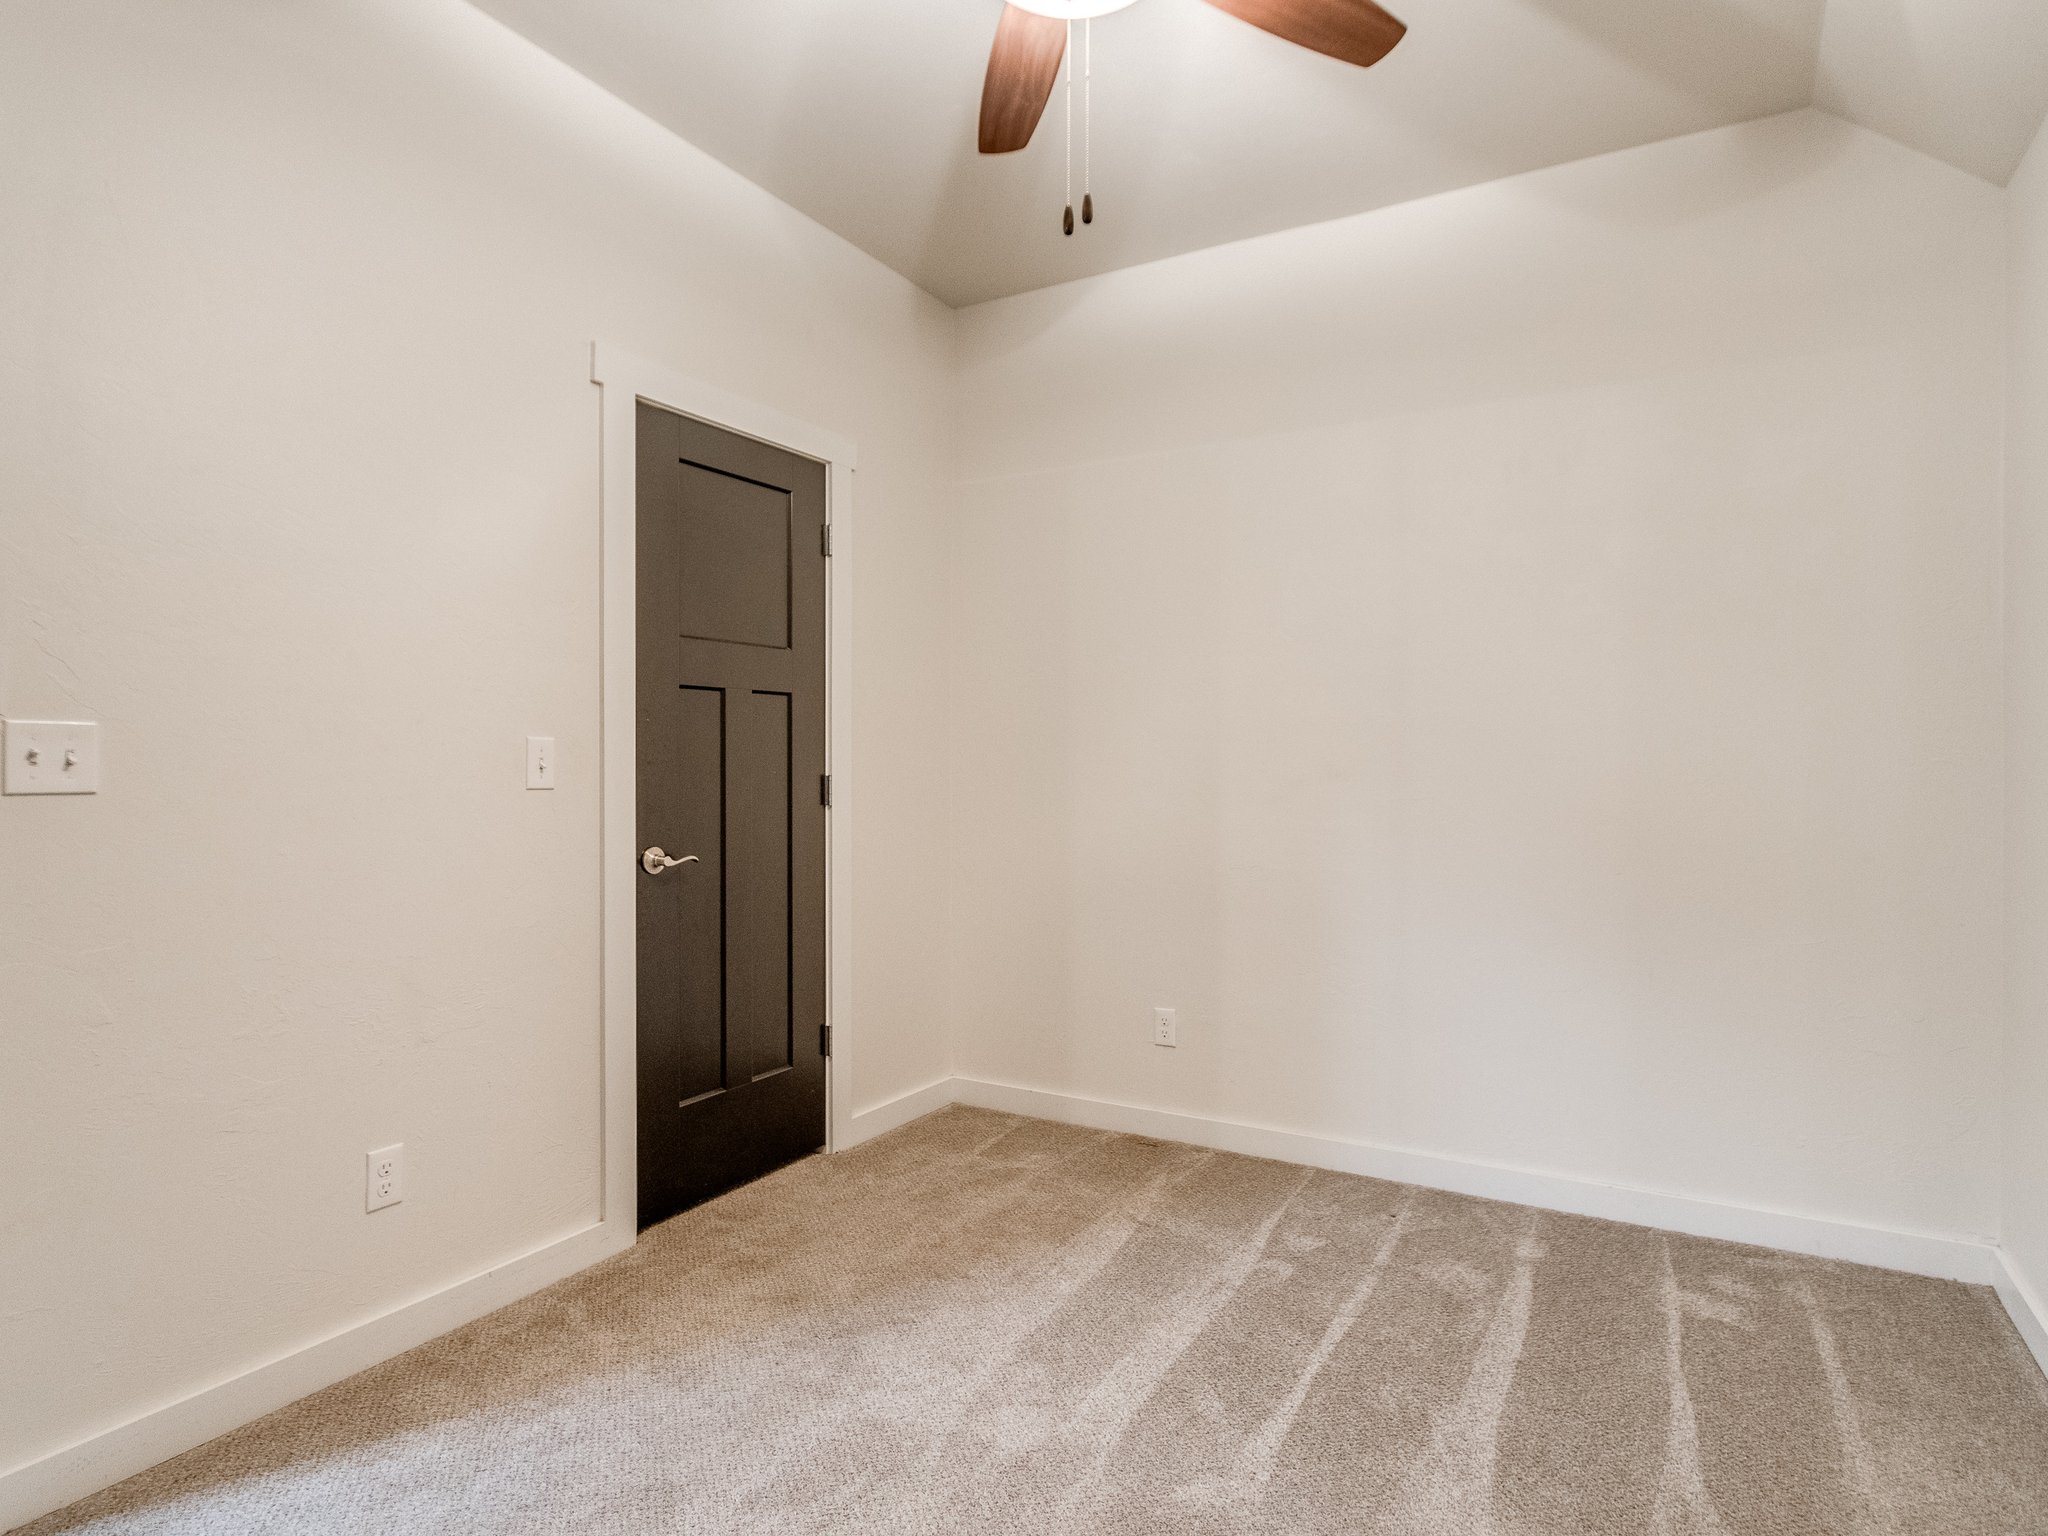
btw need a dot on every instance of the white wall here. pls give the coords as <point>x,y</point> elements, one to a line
<point>298,495</point>
<point>2026,1068</point>
<point>1518,671</point>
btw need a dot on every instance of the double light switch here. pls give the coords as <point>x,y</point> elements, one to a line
<point>51,757</point>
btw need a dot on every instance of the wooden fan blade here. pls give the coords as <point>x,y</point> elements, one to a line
<point>1022,67</point>
<point>1356,31</point>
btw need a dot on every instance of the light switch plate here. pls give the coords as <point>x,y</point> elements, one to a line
<point>52,757</point>
<point>540,762</point>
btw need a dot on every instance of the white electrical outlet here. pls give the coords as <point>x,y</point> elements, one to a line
<point>1163,1028</point>
<point>383,1177</point>
<point>540,762</point>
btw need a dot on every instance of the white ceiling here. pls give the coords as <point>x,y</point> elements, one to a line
<point>1964,80</point>
<point>862,112</point>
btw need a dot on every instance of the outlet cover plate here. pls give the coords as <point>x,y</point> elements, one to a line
<point>384,1177</point>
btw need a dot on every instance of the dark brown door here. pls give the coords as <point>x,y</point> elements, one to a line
<point>732,757</point>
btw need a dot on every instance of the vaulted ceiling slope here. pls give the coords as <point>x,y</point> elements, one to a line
<point>1965,81</point>
<point>1206,130</point>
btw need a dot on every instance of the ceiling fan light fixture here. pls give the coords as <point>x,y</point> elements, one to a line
<point>1034,46</point>
<point>1071,10</point>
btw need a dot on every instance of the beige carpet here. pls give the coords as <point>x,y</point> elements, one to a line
<point>986,1324</point>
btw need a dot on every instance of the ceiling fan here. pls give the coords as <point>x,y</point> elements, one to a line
<point>1031,41</point>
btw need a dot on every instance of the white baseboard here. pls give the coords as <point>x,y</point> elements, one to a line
<point>2025,1306</point>
<point>106,1458</point>
<point>113,1454</point>
<point>1919,1253</point>
<point>867,1123</point>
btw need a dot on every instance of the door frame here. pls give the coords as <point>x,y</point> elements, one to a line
<point>625,380</point>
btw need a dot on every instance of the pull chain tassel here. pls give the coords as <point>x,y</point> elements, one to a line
<point>1087,121</point>
<point>1067,222</point>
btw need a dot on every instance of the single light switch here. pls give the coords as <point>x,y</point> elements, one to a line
<point>540,762</point>
<point>52,757</point>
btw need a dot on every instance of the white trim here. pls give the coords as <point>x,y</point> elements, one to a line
<point>901,1110</point>
<point>113,1454</point>
<point>707,402</point>
<point>2024,1305</point>
<point>1919,1253</point>
<point>105,1458</point>
<point>625,380</point>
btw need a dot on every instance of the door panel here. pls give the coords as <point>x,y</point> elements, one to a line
<point>759,890</point>
<point>693,920</point>
<point>733,552</point>
<point>732,744</point>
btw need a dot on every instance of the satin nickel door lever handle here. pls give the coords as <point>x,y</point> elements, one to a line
<point>654,861</point>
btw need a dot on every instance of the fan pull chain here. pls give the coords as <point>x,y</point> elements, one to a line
<point>1087,122</point>
<point>1067,223</point>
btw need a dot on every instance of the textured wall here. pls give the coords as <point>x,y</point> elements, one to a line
<point>298,495</point>
<point>2026,1075</point>
<point>1519,671</point>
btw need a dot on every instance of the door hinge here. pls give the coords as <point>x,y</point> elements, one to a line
<point>824,1039</point>
<point>825,538</point>
<point>825,789</point>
